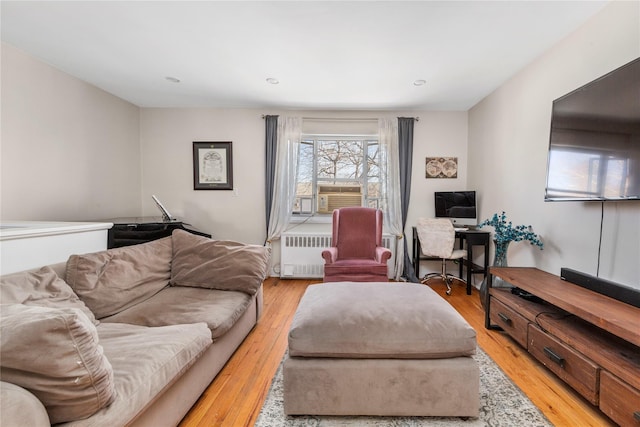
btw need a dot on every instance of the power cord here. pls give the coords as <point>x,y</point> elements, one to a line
<point>551,314</point>
<point>600,239</point>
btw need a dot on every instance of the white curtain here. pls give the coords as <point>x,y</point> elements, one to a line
<point>390,186</point>
<point>284,187</point>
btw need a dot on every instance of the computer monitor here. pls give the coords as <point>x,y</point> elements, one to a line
<point>458,206</point>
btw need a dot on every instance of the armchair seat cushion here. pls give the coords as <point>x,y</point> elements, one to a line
<point>346,266</point>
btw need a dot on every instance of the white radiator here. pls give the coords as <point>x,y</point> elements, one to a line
<point>301,254</point>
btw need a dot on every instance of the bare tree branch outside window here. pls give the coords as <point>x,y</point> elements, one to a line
<point>349,160</point>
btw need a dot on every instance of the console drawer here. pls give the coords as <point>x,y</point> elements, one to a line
<point>571,366</point>
<point>619,401</point>
<point>509,320</point>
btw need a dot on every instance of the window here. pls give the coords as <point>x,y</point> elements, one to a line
<point>336,171</point>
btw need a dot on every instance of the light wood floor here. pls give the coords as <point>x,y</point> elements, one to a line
<point>235,397</point>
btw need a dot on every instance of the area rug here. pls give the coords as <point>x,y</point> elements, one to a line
<point>502,404</point>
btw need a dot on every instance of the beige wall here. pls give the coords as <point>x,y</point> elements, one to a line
<point>166,137</point>
<point>69,151</point>
<point>508,142</point>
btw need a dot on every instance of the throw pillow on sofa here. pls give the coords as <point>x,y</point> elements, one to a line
<point>54,353</point>
<point>217,264</point>
<point>115,279</point>
<point>42,288</point>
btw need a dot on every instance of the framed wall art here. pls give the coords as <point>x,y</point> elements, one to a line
<point>441,167</point>
<point>212,166</point>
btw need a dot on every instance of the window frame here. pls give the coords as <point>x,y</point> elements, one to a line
<point>367,141</point>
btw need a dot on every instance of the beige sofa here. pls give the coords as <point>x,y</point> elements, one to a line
<point>127,336</point>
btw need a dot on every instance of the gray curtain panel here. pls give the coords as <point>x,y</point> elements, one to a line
<point>271,142</point>
<point>405,142</point>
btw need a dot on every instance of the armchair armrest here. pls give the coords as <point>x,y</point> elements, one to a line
<point>330,255</point>
<point>382,254</point>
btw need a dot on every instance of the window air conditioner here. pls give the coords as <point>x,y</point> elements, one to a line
<point>332,197</point>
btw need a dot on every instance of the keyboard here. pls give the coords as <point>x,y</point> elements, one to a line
<point>461,228</point>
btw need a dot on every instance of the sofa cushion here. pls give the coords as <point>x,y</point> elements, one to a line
<point>110,281</point>
<point>217,264</point>
<point>42,288</point>
<point>54,353</point>
<point>177,305</point>
<point>378,320</point>
<point>145,362</point>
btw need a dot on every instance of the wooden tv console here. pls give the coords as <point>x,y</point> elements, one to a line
<point>589,340</point>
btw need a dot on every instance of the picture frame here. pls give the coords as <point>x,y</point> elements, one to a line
<point>212,165</point>
<point>441,167</point>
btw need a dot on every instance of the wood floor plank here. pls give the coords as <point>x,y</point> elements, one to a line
<point>236,395</point>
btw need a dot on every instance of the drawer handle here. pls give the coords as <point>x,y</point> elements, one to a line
<point>504,318</point>
<point>636,415</point>
<point>554,357</point>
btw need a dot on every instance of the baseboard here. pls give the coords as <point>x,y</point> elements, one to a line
<point>602,286</point>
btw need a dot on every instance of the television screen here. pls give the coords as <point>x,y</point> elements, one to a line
<point>594,146</point>
<point>459,206</point>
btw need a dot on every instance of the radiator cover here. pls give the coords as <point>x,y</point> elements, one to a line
<point>301,254</point>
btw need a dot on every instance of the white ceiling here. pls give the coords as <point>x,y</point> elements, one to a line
<point>335,55</point>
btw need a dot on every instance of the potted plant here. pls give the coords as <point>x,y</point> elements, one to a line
<point>505,233</point>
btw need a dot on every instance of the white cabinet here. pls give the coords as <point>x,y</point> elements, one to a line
<point>30,244</point>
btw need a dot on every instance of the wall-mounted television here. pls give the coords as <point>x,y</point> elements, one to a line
<point>594,146</point>
<point>459,206</point>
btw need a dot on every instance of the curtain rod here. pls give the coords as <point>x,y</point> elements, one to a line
<point>356,119</point>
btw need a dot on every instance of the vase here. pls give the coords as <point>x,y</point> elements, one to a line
<point>499,260</point>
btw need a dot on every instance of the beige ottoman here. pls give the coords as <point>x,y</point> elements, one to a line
<point>394,349</point>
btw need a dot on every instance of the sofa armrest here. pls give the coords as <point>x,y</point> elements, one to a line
<point>20,407</point>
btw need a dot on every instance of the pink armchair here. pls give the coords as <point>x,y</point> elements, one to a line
<point>357,254</point>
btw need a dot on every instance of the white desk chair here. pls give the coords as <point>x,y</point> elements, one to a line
<point>437,239</point>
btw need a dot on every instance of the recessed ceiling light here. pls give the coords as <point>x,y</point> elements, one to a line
<point>273,81</point>
<point>172,79</point>
<point>419,82</point>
